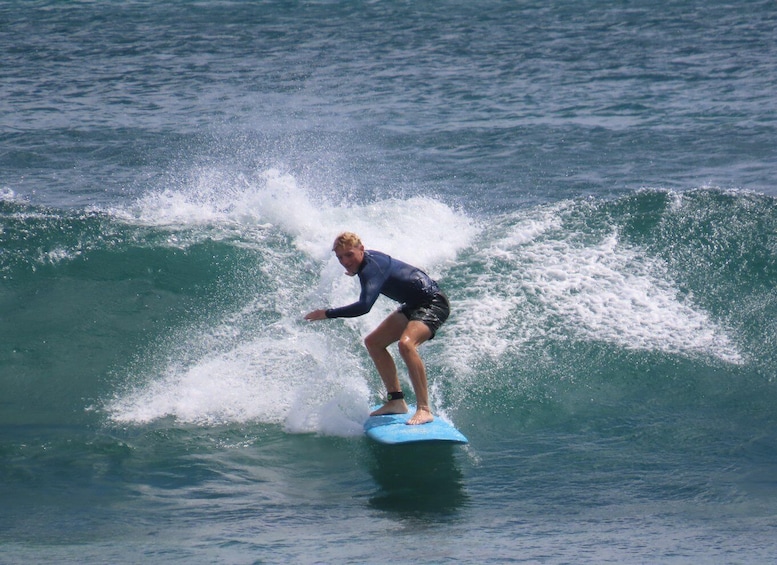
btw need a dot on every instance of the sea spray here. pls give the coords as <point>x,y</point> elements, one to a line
<point>282,370</point>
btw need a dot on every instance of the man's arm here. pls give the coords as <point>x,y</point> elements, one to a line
<point>371,278</point>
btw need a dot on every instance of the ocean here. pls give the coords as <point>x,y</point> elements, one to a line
<point>592,183</point>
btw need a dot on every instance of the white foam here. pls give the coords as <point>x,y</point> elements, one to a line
<point>412,229</point>
<point>611,292</point>
<point>7,194</point>
<point>57,255</point>
<point>284,378</point>
<point>538,279</point>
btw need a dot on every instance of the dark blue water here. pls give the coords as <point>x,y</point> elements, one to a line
<point>592,184</point>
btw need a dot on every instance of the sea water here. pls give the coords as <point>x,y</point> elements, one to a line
<point>592,183</point>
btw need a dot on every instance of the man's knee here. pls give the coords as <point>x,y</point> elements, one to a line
<point>407,346</point>
<point>372,343</point>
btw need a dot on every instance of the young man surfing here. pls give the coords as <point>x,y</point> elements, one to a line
<point>423,309</point>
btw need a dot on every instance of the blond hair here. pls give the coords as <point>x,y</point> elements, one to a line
<point>346,239</point>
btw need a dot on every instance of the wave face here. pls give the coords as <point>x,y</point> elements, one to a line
<point>190,304</point>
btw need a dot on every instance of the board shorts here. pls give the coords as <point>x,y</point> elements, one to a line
<point>433,313</point>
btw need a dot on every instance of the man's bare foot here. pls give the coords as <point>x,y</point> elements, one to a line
<point>398,406</point>
<point>421,416</point>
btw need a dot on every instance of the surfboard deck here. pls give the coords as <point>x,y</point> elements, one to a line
<point>392,429</point>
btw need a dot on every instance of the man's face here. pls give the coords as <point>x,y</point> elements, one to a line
<point>350,258</point>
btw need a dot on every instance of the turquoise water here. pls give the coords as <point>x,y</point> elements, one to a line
<point>591,183</point>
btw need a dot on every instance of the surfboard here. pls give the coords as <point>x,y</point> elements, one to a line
<point>393,429</point>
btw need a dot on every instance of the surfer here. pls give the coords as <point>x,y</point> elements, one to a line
<point>423,309</point>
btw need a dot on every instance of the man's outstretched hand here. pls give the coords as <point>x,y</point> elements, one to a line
<point>315,315</point>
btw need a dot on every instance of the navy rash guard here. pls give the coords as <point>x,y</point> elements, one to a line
<point>381,274</point>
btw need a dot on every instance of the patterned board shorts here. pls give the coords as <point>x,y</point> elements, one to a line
<point>433,314</point>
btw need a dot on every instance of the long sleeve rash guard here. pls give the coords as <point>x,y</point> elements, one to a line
<point>381,274</point>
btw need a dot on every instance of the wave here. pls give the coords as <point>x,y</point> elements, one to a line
<point>541,296</point>
<point>279,370</point>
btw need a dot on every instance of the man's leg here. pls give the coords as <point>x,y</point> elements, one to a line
<point>414,335</point>
<point>388,332</point>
